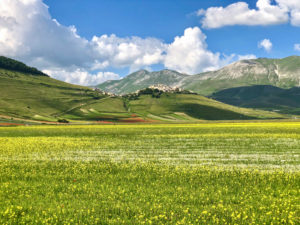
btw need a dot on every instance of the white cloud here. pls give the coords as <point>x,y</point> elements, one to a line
<point>81,76</point>
<point>266,44</point>
<point>29,33</point>
<point>239,13</point>
<point>189,53</point>
<point>293,6</point>
<point>38,39</point>
<point>295,19</point>
<point>297,47</point>
<point>133,52</point>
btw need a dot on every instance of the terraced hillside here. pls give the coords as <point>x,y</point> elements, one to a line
<point>34,96</point>
<point>190,107</point>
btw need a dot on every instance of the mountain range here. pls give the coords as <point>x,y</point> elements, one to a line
<point>27,94</point>
<point>283,73</point>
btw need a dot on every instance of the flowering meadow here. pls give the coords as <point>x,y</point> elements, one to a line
<point>210,173</point>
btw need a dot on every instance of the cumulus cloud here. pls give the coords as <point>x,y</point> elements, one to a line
<point>81,76</point>
<point>29,33</point>
<point>266,44</point>
<point>133,52</point>
<point>297,47</point>
<point>239,13</point>
<point>33,36</point>
<point>293,7</point>
<point>189,53</point>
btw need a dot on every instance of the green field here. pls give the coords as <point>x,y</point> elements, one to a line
<point>210,173</point>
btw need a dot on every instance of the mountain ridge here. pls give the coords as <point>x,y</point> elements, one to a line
<point>143,79</point>
<point>28,97</point>
<point>284,73</point>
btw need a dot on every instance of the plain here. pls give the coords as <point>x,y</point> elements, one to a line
<point>210,173</point>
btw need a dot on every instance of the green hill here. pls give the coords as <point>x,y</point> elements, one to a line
<point>27,93</point>
<point>33,96</point>
<point>154,106</point>
<point>13,65</point>
<point>263,97</point>
<point>191,107</point>
<point>284,73</point>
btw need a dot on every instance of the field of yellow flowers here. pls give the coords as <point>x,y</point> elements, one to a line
<point>210,173</point>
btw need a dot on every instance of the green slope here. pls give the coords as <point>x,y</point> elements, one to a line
<point>42,98</point>
<point>184,107</point>
<point>13,65</point>
<point>262,97</point>
<point>31,95</point>
<point>38,97</point>
<point>284,73</point>
<point>106,109</point>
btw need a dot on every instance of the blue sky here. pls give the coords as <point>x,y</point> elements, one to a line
<point>87,42</point>
<point>167,19</point>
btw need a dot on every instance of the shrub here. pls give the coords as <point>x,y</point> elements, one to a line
<point>62,121</point>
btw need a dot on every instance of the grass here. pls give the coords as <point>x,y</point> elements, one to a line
<point>41,98</point>
<point>106,109</point>
<point>262,97</point>
<point>28,96</point>
<point>193,107</point>
<point>210,173</point>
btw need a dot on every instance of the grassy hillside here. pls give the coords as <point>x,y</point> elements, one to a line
<point>262,97</point>
<point>42,98</point>
<point>110,109</point>
<point>39,97</point>
<point>185,107</point>
<point>13,65</point>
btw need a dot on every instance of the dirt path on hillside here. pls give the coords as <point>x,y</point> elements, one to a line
<point>77,107</point>
<point>27,120</point>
